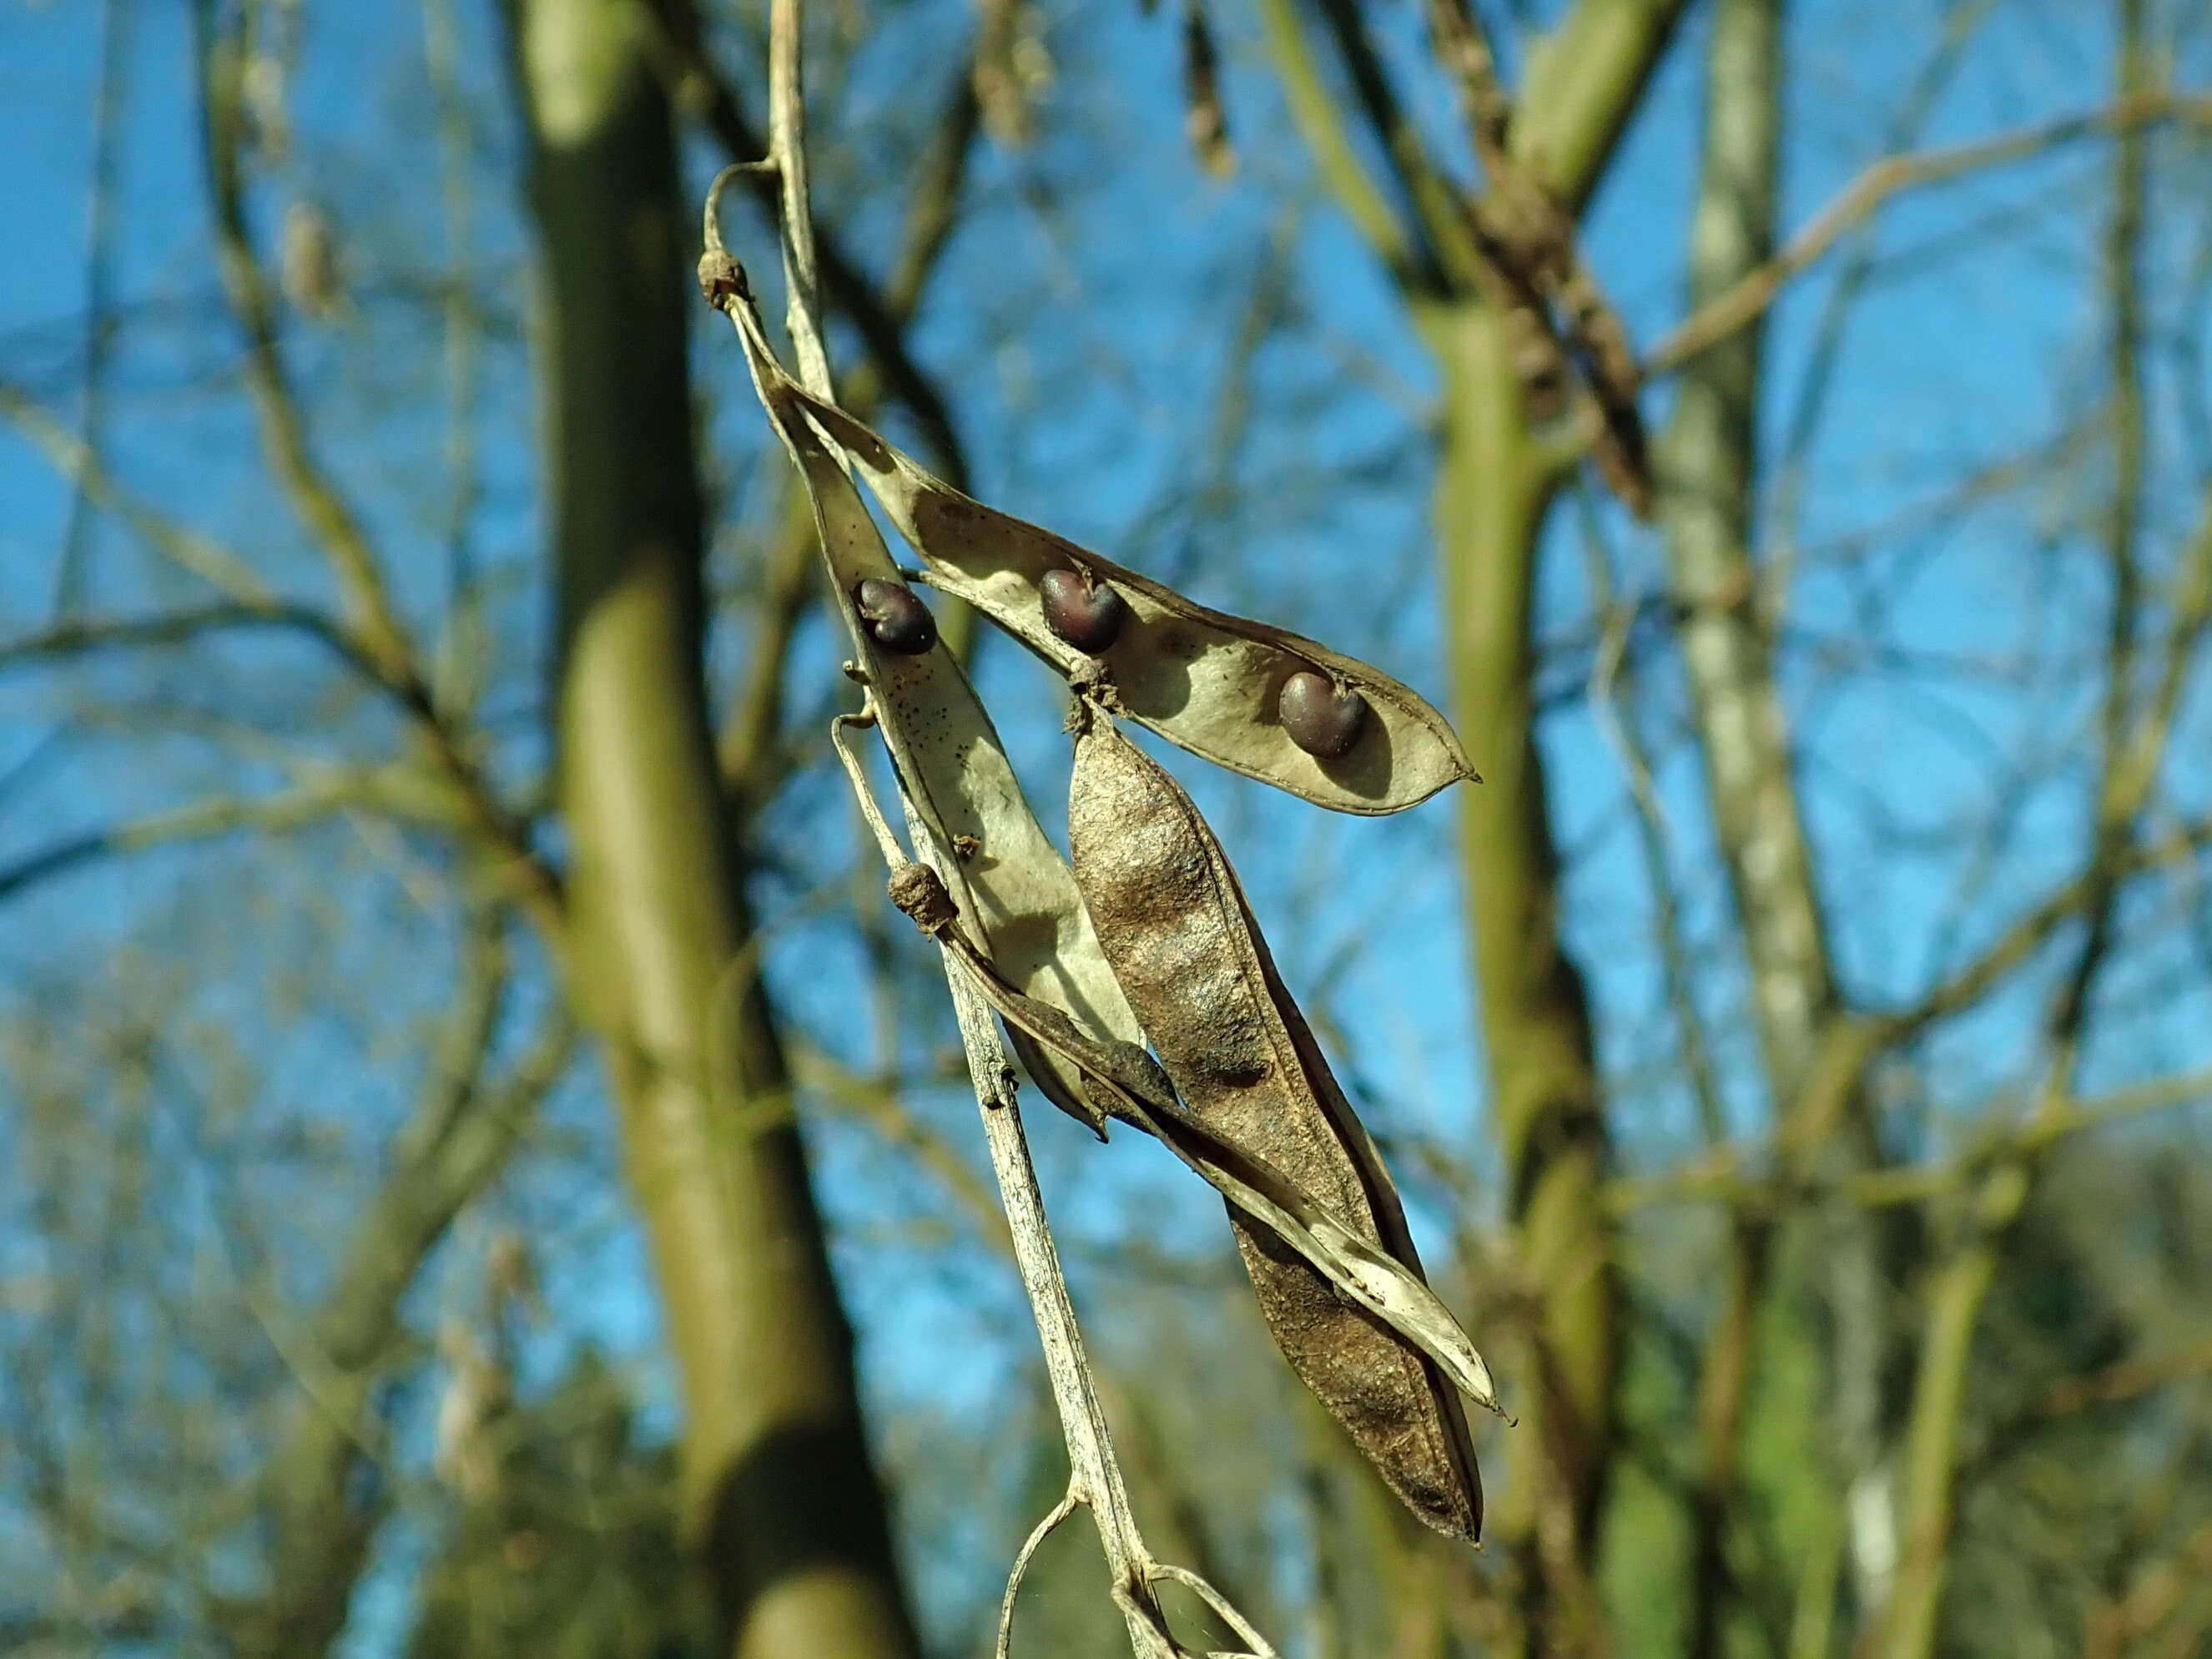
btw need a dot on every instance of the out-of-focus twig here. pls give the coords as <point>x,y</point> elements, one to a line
<point>99,296</point>
<point>701,86</point>
<point>1887,178</point>
<point>365,601</point>
<point>1533,245</point>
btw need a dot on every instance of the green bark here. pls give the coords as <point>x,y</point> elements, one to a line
<point>1495,481</point>
<point>1498,474</point>
<point>1709,463</point>
<point>780,1498</point>
<point>1709,470</point>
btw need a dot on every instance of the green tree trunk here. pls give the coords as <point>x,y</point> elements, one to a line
<point>1498,474</point>
<point>1494,483</point>
<point>779,1497</point>
<point>1709,470</point>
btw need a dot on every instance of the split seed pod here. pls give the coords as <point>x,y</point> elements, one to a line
<point>1208,681</point>
<point>1181,940</point>
<point>1017,891</point>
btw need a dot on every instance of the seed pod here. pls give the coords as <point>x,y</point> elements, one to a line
<point>1174,926</point>
<point>1017,894</point>
<point>1321,717</point>
<point>898,621</point>
<point>1088,615</point>
<point>1201,679</point>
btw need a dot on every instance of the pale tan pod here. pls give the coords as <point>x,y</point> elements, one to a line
<point>1173,924</point>
<point>1013,885</point>
<point>1208,681</point>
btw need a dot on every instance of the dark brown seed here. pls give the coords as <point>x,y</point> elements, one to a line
<point>1087,615</point>
<point>1321,717</point>
<point>898,621</point>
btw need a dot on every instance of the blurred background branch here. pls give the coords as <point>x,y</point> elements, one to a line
<point>411,685</point>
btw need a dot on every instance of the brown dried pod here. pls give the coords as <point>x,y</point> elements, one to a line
<point>898,620</point>
<point>1201,679</point>
<point>1173,924</point>
<point>1085,613</point>
<point>1125,1081</point>
<point>1321,717</point>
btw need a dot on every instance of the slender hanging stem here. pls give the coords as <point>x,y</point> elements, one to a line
<point>1095,1475</point>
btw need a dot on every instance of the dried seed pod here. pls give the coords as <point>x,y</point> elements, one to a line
<point>1201,679</point>
<point>1174,926</point>
<point>1125,1080</point>
<point>1322,718</point>
<point>899,621</point>
<point>1017,892</point>
<point>1087,614</point>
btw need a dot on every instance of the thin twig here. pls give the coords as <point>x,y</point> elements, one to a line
<point>1535,246</point>
<point>99,332</point>
<point>380,788</point>
<point>78,462</point>
<point>1731,1173</point>
<point>1887,178</point>
<point>314,495</point>
<point>1038,1533</point>
<point>877,317</point>
<point>78,636</point>
<point>787,143</point>
<point>1610,673</point>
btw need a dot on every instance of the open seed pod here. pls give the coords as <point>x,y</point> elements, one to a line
<point>1259,700</point>
<point>1008,878</point>
<point>1173,924</point>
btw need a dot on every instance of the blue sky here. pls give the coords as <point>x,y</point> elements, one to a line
<point>1082,323</point>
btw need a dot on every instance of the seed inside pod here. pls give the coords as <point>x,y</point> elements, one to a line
<point>898,621</point>
<point>1088,615</point>
<point>1320,716</point>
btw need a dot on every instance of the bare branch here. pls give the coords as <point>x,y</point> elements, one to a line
<point>394,789</point>
<point>877,315</point>
<point>461,1134</point>
<point>320,505</point>
<point>84,635</point>
<point>1887,177</point>
<point>1343,174</point>
<point>1732,1173</point>
<point>879,1103</point>
<point>1434,198</point>
<point>1583,82</point>
<point>76,461</point>
<point>98,293</point>
<point>2130,1379</point>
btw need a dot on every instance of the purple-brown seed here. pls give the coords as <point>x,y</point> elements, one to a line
<point>897,620</point>
<point>1321,717</point>
<point>1088,615</point>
